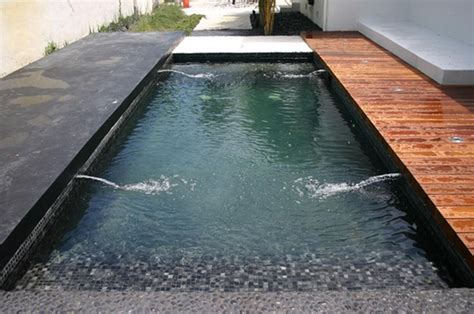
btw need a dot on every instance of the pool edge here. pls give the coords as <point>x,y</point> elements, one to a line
<point>391,162</point>
<point>424,208</point>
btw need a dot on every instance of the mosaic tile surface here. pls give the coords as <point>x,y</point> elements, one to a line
<point>292,273</point>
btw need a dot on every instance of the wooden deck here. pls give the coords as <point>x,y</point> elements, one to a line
<point>415,118</point>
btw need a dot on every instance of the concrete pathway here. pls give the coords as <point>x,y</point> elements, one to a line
<point>222,15</point>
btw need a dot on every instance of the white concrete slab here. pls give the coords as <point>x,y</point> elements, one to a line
<point>242,44</point>
<point>446,60</point>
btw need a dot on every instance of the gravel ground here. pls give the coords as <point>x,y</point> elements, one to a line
<point>447,300</point>
<point>292,23</point>
<point>286,24</point>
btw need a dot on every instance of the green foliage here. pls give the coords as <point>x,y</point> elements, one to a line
<point>165,18</point>
<point>121,24</point>
<point>50,48</point>
<point>162,18</point>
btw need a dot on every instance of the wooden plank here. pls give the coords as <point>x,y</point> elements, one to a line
<point>457,211</point>
<point>447,169</point>
<point>442,178</point>
<point>468,239</point>
<point>448,188</point>
<point>452,200</point>
<point>462,225</point>
<point>417,118</point>
<point>439,161</point>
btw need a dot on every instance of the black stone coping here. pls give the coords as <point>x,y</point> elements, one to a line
<point>243,57</point>
<point>54,113</point>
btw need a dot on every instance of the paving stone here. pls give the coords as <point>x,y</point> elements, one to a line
<point>387,300</point>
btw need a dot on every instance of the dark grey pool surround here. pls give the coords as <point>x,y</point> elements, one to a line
<point>54,113</point>
<point>386,300</point>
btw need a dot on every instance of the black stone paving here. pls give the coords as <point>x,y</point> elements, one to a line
<point>375,301</point>
<point>54,111</point>
<point>285,24</point>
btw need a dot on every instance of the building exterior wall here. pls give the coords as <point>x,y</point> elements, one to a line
<point>453,18</point>
<point>345,14</point>
<point>314,12</point>
<point>27,26</point>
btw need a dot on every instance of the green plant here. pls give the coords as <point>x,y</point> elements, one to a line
<point>50,48</point>
<point>121,23</point>
<point>167,17</point>
<point>162,18</point>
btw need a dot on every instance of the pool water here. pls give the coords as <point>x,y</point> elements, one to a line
<point>238,177</point>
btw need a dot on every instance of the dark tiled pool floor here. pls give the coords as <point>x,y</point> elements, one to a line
<point>293,273</point>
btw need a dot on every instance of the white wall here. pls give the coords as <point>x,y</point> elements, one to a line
<point>453,18</point>
<point>26,26</point>
<point>314,12</point>
<point>344,15</point>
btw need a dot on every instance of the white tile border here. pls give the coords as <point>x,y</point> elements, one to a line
<point>242,44</point>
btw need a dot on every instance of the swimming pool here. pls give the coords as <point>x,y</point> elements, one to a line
<point>238,177</point>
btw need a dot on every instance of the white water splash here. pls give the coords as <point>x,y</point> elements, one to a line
<point>315,189</point>
<point>107,182</point>
<point>153,187</point>
<point>304,75</point>
<point>199,75</point>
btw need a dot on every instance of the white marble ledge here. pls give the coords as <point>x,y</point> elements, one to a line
<point>444,59</point>
<point>242,44</point>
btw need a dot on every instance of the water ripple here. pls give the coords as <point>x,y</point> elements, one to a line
<point>238,139</point>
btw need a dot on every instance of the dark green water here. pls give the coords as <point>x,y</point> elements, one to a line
<point>253,163</point>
